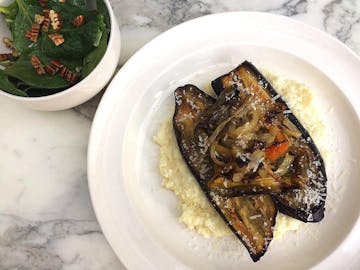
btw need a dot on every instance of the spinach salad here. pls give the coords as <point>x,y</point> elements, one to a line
<point>54,44</point>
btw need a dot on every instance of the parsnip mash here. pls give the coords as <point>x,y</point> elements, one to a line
<point>196,212</point>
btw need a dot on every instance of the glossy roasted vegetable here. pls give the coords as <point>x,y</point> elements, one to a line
<point>271,141</point>
<point>196,121</point>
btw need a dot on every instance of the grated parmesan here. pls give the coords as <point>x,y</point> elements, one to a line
<point>196,212</point>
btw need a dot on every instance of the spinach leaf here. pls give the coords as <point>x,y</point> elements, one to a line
<point>34,91</point>
<point>10,13</point>
<point>23,70</point>
<point>93,58</point>
<point>23,22</point>
<point>9,10</point>
<point>39,92</point>
<point>102,9</point>
<point>34,3</point>
<point>68,12</point>
<point>78,3</point>
<point>21,25</point>
<point>23,8</point>
<point>78,42</point>
<point>8,87</point>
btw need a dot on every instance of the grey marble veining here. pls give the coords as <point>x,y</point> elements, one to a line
<point>46,217</point>
<point>165,14</point>
<point>53,244</point>
<point>342,20</point>
<point>291,8</point>
<point>143,20</point>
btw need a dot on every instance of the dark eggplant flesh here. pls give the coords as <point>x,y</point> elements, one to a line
<point>243,140</point>
<point>303,194</point>
<point>190,104</point>
<point>250,217</point>
<point>233,133</point>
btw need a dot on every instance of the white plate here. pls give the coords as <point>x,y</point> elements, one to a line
<point>139,218</point>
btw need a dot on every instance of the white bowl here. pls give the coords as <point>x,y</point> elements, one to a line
<point>86,88</point>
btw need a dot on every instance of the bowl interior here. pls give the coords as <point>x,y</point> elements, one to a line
<point>4,30</point>
<point>88,86</point>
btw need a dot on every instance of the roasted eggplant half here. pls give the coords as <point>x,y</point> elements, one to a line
<point>281,147</point>
<point>197,116</point>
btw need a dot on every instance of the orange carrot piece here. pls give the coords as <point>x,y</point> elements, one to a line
<point>276,151</point>
<point>280,137</point>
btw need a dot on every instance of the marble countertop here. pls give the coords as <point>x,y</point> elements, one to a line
<point>46,216</point>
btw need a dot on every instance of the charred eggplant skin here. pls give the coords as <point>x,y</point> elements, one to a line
<point>189,97</point>
<point>315,214</point>
<point>180,130</point>
<point>217,84</point>
<point>254,256</point>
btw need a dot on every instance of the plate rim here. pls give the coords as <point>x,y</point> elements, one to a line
<point>100,114</point>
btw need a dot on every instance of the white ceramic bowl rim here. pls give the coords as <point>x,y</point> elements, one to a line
<point>83,81</point>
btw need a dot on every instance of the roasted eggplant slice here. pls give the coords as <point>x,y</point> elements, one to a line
<point>197,116</point>
<point>284,148</point>
<point>251,218</point>
<point>190,105</point>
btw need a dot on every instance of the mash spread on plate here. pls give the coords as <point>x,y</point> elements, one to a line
<point>196,211</point>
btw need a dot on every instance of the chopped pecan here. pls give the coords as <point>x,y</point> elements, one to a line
<point>58,39</point>
<point>39,19</point>
<point>78,20</point>
<point>53,67</point>
<point>46,12</point>
<point>5,56</point>
<point>69,76</point>
<point>63,71</point>
<point>43,3</point>
<point>8,43</point>
<point>33,33</point>
<point>78,69</point>
<point>56,64</point>
<point>37,65</point>
<point>15,53</point>
<point>45,25</point>
<point>73,79</point>
<point>50,70</point>
<point>55,19</point>
<point>28,35</point>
